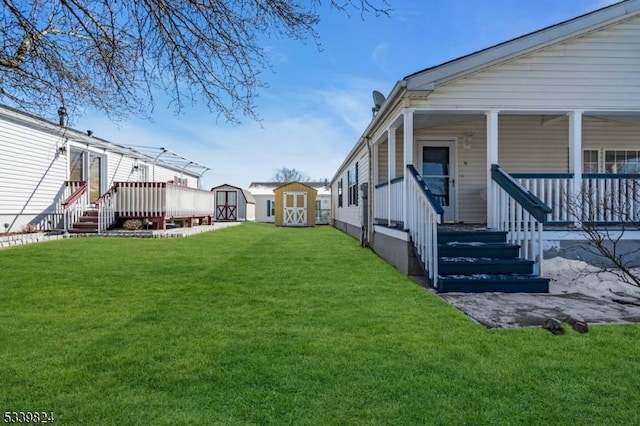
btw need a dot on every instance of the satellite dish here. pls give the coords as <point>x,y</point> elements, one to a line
<point>378,99</point>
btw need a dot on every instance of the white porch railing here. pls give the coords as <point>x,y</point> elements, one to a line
<point>390,209</point>
<point>552,189</point>
<point>603,198</point>
<point>521,214</point>
<point>75,202</point>
<point>424,215</point>
<point>607,198</point>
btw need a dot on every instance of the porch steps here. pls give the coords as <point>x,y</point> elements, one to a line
<point>87,224</point>
<point>479,261</point>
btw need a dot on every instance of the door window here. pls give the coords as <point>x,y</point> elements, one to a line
<point>435,171</point>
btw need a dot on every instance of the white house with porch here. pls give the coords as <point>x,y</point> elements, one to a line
<point>542,130</point>
<point>55,177</point>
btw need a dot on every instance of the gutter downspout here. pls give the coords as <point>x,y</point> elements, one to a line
<point>370,196</point>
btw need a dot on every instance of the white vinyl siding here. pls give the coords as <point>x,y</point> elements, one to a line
<point>121,169</point>
<point>264,203</point>
<point>351,214</point>
<point>598,70</point>
<point>163,174</point>
<point>32,174</point>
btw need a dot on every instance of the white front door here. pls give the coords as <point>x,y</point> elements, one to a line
<point>437,167</point>
<point>295,209</point>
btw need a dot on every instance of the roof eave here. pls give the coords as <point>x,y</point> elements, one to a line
<point>383,112</point>
<point>432,77</point>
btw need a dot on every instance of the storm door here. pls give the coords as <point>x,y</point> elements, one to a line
<point>437,166</point>
<point>87,166</point>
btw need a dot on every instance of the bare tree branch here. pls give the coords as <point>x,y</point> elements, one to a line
<point>114,55</point>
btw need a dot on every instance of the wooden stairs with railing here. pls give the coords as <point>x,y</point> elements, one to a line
<point>476,261</point>
<point>88,223</point>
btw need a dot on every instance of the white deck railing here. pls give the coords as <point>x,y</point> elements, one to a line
<point>323,216</point>
<point>182,201</point>
<point>76,199</point>
<point>610,198</point>
<point>154,199</point>
<point>552,189</point>
<point>521,214</point>
<point>106,206</point>
<point>603,198</point>
<point>140,199</point>
<point>388,199</point>
<point>424,215</point>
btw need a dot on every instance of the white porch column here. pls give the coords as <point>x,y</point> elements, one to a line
<point>391,166</point>
<point>575,153</point>
<point>407,159</point>
<point>492,158</point>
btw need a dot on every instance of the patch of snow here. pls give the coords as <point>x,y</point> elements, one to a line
<point>576,289</point>
<point>577,276</point>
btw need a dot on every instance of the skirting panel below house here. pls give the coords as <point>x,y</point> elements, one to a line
<point>348,228</point>
<point>398,252</point>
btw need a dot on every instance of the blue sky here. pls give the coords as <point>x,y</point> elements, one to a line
<point>319,100</point>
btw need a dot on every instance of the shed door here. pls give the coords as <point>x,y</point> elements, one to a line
<point>295,209</point>
<point>227,205</point>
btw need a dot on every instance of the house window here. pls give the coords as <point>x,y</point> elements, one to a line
<point>590,161</point>
<point>180,181</point>
<point>271,208</point>
<point>615,161</point>
<point>340,193</point>
<point>352,185</point>
<point>622,161</point>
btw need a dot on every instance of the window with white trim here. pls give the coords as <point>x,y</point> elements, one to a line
<point>340,192</point>
<point>352,185</point>
<point>271,208</point>
<point>590,162</point>
<point>611,161</point>
<point>622,161</point>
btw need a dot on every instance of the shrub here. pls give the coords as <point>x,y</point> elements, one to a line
<point>132,224</point>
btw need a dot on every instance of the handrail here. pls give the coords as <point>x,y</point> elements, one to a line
<point>610,176</point>
<point>76,195</point>
<point>424,213</point>
<point>427,192</point>
<point>541,175</point>
<point>392,181</point>
<point>521,214</point>
<point>520,194</point>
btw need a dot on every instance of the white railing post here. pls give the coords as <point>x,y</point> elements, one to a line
<point>422,225</point>
<point>521,226</point>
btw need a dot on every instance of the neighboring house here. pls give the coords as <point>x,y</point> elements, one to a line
<point>55,177</point>
<point>233,204</point>
<point>265,201</point>
<point>509,138</point>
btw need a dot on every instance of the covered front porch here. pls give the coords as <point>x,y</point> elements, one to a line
<point>583,165</point>
<point>513,172</point>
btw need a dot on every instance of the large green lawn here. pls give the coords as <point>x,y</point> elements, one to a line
<point>263,325</point>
